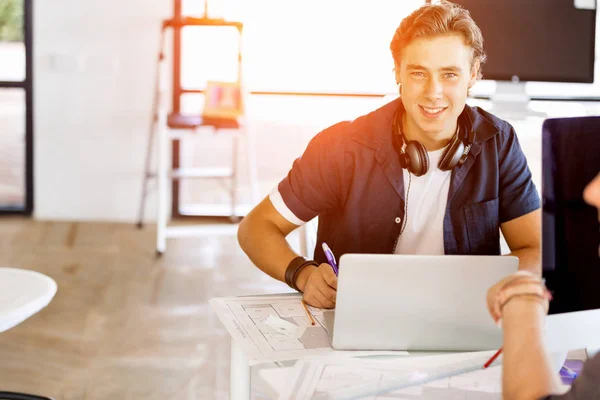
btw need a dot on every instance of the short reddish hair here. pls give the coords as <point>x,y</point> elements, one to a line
<point>439,19</point>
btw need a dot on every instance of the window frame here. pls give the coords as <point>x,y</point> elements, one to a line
<point>27,86</point>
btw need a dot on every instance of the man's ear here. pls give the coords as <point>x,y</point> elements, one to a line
<point>474,73</point>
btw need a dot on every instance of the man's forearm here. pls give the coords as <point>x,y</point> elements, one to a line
<point>266,247</point>
<point>529,259</point>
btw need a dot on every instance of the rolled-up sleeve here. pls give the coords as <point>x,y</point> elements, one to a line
<point>518,195</point>
<point>315,182</point>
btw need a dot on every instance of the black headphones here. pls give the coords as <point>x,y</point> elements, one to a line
<point>414,157</point>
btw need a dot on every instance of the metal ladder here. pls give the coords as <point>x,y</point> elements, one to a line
<point>162,124</point>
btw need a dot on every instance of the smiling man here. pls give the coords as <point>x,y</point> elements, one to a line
<point>424,174</point>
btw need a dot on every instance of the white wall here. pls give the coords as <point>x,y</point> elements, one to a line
<point>93,71</point>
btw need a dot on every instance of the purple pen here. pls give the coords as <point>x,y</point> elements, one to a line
<point>330,258</point>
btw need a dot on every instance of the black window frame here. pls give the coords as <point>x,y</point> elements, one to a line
<point>27,86</point>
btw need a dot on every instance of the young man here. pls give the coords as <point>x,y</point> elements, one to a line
<point>527,372</point>
<point>424,174</point>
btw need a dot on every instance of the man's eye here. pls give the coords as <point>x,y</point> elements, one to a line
<point>450,75</point>
<point>418,74</point>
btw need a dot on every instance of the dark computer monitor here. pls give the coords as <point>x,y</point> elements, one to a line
<point>570,234</point>
<point>536,40</point>
<point>571,159</point>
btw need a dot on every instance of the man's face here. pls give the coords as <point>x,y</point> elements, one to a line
<point>435,75</point>
<point>592,196</point>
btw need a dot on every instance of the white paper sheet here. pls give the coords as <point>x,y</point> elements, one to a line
<point>245,317</point>
<point>449,376</point>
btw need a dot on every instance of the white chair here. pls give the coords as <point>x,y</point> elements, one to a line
<point>22,294</point>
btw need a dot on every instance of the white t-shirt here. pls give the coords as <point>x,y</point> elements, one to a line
<point>427,199</point>
<point>426,207</point>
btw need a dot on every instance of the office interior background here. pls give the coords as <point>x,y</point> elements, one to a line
<point>77,83</point>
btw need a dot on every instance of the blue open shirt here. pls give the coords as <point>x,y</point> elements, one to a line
<point>350,177</point>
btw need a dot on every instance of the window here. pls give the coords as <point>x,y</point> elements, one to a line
<point>317,46</point>
<point>16,180</point>
<point>12,41</point>
<point>12,148</point>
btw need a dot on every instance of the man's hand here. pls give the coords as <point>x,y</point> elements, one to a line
<point>319,285</point>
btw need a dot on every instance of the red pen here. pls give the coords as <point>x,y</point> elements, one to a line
<point>491,360</point>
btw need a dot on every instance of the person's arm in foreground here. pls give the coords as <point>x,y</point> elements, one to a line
<point>526,369</point>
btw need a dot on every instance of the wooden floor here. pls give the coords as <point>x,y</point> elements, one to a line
<point>123,324</point>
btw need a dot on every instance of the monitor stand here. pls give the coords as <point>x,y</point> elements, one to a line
<point>511,101</point>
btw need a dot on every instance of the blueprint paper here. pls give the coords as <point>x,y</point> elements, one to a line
<point>245,319</point>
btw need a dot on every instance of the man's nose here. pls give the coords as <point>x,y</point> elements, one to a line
<point>433,89</point>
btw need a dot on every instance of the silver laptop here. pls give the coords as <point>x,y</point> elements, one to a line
<point>426,303</point>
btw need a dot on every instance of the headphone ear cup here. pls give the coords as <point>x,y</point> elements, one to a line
<point>418,159</point>
<point>452,154</point>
